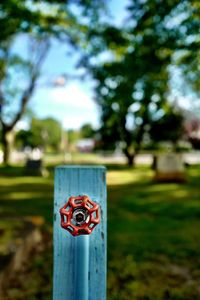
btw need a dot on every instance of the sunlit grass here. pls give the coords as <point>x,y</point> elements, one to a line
<point>127,176</point>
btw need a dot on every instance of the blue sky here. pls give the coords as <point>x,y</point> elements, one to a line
<point>73,104</point>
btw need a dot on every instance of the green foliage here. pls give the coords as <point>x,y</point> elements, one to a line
<point>45,133</point>
<point>47,16</point>
<point>188,54</point>
<point>41,21</point>
<point>86,131</point>
<point>73,136</point>
<point>168,128</point>
<point>131,67</point>
<point>23,138</point>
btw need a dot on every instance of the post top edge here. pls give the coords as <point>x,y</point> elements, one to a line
<point>80,167</point>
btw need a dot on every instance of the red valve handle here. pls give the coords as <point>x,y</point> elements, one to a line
<point>80,215</point>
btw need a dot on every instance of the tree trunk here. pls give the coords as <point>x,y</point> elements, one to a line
<point>6,142</point>
<point>130,158</point>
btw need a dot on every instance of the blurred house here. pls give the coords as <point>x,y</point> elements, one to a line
<point>192,128</point>
<point>85,145</point>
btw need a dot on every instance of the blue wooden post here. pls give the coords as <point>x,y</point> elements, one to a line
<point>79,262</point>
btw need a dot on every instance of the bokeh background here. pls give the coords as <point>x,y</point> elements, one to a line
<point>111,82</point>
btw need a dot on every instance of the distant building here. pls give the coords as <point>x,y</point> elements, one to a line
<point>85,145</point>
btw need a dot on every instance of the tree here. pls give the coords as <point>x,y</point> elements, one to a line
<point>46,133</point>
<point>17,85</point>
<point>188,58</point>
<point>41,21</point>
<point>131,71</point>
<point>87,131</point>
<point>168,128</point>
<point>43,133</point>
<point>56,17</point>
<point>23,138</point>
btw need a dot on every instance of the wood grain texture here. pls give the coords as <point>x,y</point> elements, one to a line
<point>69,250</point>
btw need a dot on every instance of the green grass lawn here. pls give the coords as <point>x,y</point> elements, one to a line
<point>153,233</point>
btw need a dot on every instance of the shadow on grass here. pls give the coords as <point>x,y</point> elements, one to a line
<point>26,196</point>
<point>28,207</point>
<point>150,220</point>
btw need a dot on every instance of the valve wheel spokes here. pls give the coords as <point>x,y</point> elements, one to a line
<point>80,215</point>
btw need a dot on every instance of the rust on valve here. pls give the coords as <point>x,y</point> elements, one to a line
<point>80,215</point>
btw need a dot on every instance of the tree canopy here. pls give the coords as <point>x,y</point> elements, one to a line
<point>41,21</point>
<point>50,16</point>
<point>131,69</point>
<point>45,133</point>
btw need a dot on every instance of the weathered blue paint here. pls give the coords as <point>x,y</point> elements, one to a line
<point>80,262</point>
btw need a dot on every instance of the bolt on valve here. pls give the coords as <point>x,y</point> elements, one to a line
<point>80,215</point>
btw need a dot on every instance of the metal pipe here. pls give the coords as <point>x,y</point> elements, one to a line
<point>81,267</point>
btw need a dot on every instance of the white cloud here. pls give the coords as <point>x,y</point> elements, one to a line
<point>75,122</point>
<point>72,96</point>
<point>184,102</point>
<point>71,105</point>
<point>22,125</point>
